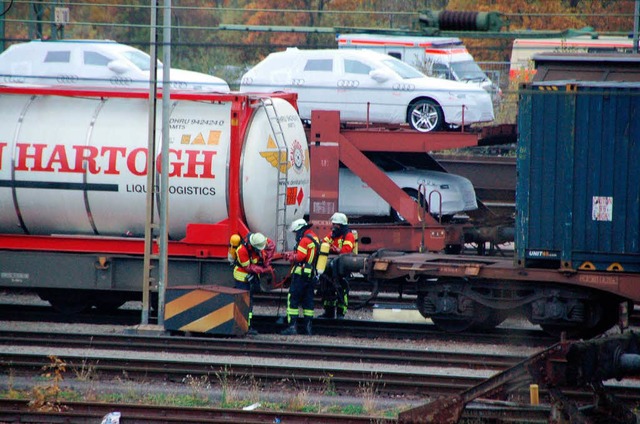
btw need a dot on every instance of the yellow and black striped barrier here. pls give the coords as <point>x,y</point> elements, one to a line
<point>207,309</point>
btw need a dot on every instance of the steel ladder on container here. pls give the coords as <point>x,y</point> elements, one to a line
<point>283,164</point>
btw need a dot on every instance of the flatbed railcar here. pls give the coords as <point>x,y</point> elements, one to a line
<point>577,248</point>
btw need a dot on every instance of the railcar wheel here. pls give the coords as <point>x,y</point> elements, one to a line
<point>494,318</point>
<point>67,303</point>
<point>599,317</point>
<point>109,305</point>
<point>450,313</point>
<point>425,115</point>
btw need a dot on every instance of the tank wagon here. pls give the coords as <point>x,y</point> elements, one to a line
<point>73,187</point>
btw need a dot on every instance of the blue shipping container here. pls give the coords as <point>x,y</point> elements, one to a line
<point>578,190</point>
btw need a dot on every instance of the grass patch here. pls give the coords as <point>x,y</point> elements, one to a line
<point>235,393</point>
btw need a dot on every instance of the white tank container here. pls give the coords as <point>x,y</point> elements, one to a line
<point>76,164</point>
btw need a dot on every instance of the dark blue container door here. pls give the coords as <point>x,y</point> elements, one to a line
<point>578,193</point>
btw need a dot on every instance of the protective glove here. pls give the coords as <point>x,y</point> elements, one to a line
<point>335,249</point>
<point>289,256</point>
<point>257,269</point>
<point>267,254</point>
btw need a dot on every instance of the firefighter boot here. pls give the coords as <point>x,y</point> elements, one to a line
<point>340,313</point>
<point>292,329</point>
<point>329,313</point>
<point>307,325</point>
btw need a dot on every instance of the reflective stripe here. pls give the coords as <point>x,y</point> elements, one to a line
<point>239,271</point>
<point>240,274</point>
<point>300,270</point>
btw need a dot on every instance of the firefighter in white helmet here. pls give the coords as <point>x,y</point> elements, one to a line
<point>303,276</point>
<point>252,261</point>
<point>334,289</point>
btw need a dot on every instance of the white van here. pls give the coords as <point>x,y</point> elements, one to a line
<point>442,57</point>
<point>93,63</point>
<point>524,48</point>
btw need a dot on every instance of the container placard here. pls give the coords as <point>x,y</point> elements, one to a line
<point>602,209</point>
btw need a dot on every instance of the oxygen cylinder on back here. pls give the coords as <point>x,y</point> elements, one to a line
<point>325,248</point>
<point>234,242</point>
<point>355,237</point>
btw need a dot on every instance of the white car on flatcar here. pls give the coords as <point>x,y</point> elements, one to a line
<point>369,86</point>
<point>447,194</point>
<point>93,63</point>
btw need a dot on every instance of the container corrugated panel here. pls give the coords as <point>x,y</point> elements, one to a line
<point>578,190</point>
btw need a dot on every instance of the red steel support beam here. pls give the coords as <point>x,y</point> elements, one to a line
<point>329,144</point>
<point>377,140</point>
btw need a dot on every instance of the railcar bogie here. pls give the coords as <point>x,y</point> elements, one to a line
<point>465,292</point>
<point>456,305</point>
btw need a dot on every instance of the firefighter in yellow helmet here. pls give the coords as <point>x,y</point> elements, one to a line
<point>334,289</point>
<point>253,255</point>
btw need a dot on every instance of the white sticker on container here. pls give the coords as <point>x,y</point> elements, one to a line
<point>602,208</point>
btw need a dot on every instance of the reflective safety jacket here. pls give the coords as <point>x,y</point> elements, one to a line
<point>245,257</point>
<point>342,244</point>
<point>306,253</point>
<point>249,260</point>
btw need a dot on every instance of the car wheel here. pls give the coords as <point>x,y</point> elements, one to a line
<point>395,216</point>
<point>425,115</point>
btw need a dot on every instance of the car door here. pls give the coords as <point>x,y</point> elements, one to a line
<point>353,84</point>
<point>356,198</point>
<point>56,68</point>
<point>94,68</point>
<point>371,92</point>
<point>316,85</point>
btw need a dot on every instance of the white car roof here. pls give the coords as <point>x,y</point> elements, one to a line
<point>331,53</point>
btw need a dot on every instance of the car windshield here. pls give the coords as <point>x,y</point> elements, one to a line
<point>405,71</point>
<point>468,71</point>
<point>385,163</point>
<point>140,59</point>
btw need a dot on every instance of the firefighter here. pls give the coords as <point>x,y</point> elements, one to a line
<point>334,289</point>
<point>303,275</point>
<point>253,257</point>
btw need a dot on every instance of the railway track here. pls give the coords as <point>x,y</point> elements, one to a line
<point>349,368</point>
<point>113,353</point>
<point>311,351</point>
<point>92,412</point>
<point>272,325</point>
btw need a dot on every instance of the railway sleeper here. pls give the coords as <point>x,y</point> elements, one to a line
<point>456,305</point>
